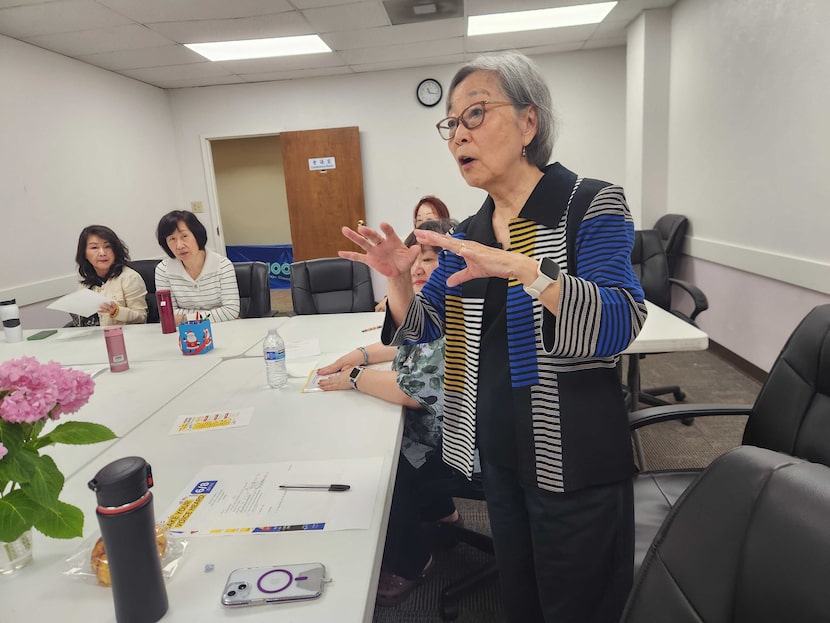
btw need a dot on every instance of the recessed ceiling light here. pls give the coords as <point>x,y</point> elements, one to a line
<point>538,19</point>
<point>260,48</point>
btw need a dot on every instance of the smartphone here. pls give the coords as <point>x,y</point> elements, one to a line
<point>42,334</point>
<point>253,586</point>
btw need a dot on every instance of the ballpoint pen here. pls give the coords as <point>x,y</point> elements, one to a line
<point>318,487</point>
<point>371,328</point>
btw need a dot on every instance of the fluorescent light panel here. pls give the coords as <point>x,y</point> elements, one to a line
<point>260,48</point>
<point>538,19</point>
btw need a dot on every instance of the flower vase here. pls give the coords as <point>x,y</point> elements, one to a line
<point>16,554</point>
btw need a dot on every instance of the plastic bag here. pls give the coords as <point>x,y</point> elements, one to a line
<point>79,565</point>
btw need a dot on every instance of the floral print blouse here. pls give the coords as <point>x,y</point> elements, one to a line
<point>420,369</point>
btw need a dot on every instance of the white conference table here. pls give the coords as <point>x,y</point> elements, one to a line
<point>123,400</point>
<point>337,333</point>
<point>663,332</point>
<point>144,342</point>
<point>286,425</point>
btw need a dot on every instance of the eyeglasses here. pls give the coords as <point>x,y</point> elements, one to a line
<point>471,117</point>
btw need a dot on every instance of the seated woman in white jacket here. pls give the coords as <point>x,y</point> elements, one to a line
<point>102,259</point>
<point>199,280</point>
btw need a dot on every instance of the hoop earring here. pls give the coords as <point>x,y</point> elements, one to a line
<point>524,152</point>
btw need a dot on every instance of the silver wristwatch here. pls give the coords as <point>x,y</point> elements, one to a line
<point>548,273</point>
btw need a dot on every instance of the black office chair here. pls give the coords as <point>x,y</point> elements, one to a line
<point>331,285</point>
<point>147,270</point>
<point>649,261</point>
<point>749,542</point>
<point>791,414</point>
<point>252,279</point>
<point>672,229</point>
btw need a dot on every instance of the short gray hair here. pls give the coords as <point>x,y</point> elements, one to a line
<point>522,82</point>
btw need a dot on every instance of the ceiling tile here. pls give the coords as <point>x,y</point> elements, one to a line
<point>390,35</point>
<point>262,27</point>
<point>149,11</point>
<point>407,51</point>
<point>143,57</point>
<point>352,16</point>
<point>42,19</point>
<point>100,40</point>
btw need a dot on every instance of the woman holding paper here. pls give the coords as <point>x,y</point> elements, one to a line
<point>102,259</point>
<point>416,381</point>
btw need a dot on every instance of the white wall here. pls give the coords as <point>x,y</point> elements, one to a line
<point>80,146</point>
<point>403,156</point>
<point>748,163</point>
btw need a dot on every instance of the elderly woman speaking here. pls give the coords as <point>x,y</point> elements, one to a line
<point>537,297</point>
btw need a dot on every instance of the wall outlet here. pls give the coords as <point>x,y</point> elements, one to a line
<point>196,206</point>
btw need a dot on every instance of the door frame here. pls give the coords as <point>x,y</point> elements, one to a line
<point>217,234</point>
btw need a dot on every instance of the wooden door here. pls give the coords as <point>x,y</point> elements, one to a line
<point>321,201</point>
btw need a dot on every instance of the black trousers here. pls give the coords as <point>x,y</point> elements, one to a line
<point>562,557</point>
<point>419,496</point>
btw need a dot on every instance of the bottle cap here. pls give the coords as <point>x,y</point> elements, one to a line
<point>122,481</point>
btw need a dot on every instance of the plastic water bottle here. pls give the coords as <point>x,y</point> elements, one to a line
<point>273,349</point>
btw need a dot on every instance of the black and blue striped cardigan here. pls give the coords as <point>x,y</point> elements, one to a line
<point>562,367</point>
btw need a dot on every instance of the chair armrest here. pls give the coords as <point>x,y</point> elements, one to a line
<point>698,297</point>
<point>652,415</point>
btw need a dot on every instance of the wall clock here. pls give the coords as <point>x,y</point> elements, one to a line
<point>429,92</point>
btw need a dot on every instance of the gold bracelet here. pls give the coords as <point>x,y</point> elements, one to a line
<point>115,313</point>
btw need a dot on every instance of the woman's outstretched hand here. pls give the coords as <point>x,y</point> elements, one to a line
<point>385,252</point>
<point>481,260</point>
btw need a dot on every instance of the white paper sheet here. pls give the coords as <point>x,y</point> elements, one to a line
<point>246,499</point>
<point>83,302</point>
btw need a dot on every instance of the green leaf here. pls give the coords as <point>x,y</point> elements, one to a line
<point>18,513</point>
<point>46,482</point>
<point>11,435</point>
<point>19,466</point>
<point>76,433</point>
<point>63,522</point>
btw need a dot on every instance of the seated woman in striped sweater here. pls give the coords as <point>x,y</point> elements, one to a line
<point>199,280</point>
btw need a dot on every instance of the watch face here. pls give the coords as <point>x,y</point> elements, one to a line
<point>549,268</point>
<point>429,92</point>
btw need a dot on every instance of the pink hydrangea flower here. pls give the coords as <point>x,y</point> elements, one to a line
<point>3,451</point>
<point>32,391</point>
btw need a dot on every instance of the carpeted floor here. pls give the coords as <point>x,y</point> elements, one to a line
<point>702,375</point>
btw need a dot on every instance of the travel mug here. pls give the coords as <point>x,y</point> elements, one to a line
<point>165,303</point>
<point>125,515</point>
<point>116,349</point>
<point>10,316</point>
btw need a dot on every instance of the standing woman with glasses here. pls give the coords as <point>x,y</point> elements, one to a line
<point>535,314</point>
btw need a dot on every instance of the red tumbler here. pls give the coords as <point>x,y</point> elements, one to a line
<point>165,303</point>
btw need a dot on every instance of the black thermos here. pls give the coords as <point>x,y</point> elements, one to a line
<point>125,514</point>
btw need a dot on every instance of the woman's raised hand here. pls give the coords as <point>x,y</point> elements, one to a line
<point>385,252</point>
<point>481,260</point>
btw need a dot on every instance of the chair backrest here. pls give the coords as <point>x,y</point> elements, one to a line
<point>792,411</point>
<point>748,542</point>
<point>254,289</point>
<point>147,270</point>
<point>649,261</point>
<point>331,285</point>
<point>672,229</point>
